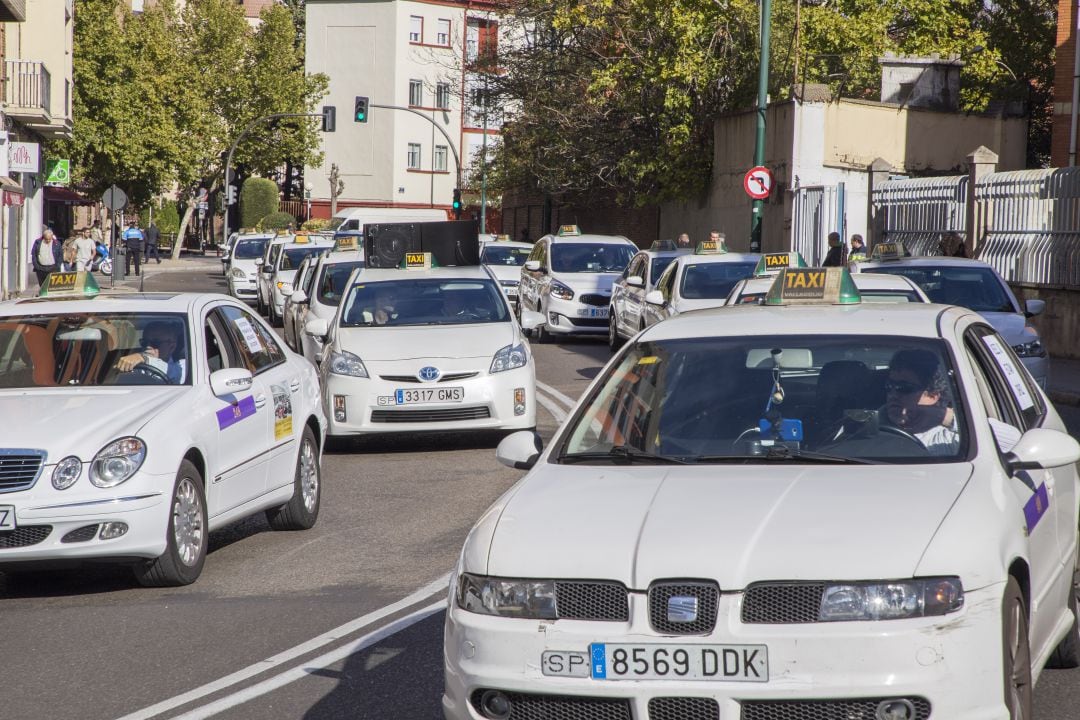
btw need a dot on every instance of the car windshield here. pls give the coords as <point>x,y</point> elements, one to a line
<point>659,265</point>
<point>713,281</point>
<point>332,281</point>
<point>758,399</point>
<point>496,255</point>
<point>590,257</point>
<point>292,257</point>
<point>93,350</point>
<point>428,301</point>
<point>976,288</point>
<point>249,249</point>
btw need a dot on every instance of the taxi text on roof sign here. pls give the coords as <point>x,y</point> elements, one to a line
<point>345,242</point>
<point>568,230</point>
<point>887,251</point>
<point>70,285</point>
<point>773,262</point>
<point>418,261</point>
<point>711,247</point>
<point>813,286</point>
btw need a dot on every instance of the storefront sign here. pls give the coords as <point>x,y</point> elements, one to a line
<point>24,157</point>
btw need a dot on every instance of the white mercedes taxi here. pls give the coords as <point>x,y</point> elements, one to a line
<point>504,257</point>
<point>245,252</point>
<point>815,508</point>
<point>138,423</point>
<point>320,299</point>
<point>566,283</point>
<point>424,349</point>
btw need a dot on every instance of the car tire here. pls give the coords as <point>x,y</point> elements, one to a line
<point>614,341</point>
<point>302,510</point>
<point>1067,653</point>
<point>1016,653</point>
<point>186,536</point>
<point>259,307</point>
<point>275,319</point>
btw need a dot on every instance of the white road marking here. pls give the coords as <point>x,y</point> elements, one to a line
<point>565,399</point>
<point>551,406</point>
<point>269,663</point>
<point>304,669</point>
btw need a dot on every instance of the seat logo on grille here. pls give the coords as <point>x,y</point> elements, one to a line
<point>429,374</point>
<point>682,609</point>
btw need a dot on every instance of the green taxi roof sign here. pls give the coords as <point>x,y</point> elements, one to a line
<point>772,263</point>
<point>813,286</point>
<point>69,285</point>
<point>569,230</point>
<point>888,251</point>
<point>711,247</point>
<point>418,261</point>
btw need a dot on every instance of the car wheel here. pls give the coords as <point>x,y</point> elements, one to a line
<point>1067,653</point>
<point>302,510</point>
<point>613,340</point>
<point>186,536</point>
<point>1016,654</point>
<point>259,307</point>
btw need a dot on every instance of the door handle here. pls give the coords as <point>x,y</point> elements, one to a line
<point>260,400</point>
<point>294,385</point>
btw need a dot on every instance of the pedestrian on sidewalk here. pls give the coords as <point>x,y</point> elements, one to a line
<point>858,249</point>
<point>152,237</point>
<point>133,241</point>
<point>96,235</point>
<point>84,250</point>
<point>46,254</point>
<point>837,252</point>
<point>71,255</point>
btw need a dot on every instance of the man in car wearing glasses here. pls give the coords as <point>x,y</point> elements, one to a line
<point>164,351</point>
<point>917,401</point>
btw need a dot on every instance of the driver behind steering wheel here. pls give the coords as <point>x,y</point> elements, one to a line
<point>917,401</point>
<point>163,351</point>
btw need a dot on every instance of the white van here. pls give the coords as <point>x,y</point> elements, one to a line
<point>354,219</point>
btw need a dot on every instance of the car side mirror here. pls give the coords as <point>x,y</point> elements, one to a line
<point>298,296</point>
<point>635,281</point>
<point>230,381</point>
<point>1034,307</point>
<point>1042,449</point>
<point>258,261</point>
<point>317,327</point>
<point>532,265</point>
<point>520,450</point>
<point>654,297</point>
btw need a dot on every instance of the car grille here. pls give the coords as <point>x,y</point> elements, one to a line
<point>448,377</point>
<point>776,603</point>
<point>590,600</point>
<point>19,469</point>
<point>683,708</point>
<point>708,597</point>
<point>598,300</point>
<point>423,416</point>
<point>81,535</point>
<point>24,536</point>
<point>588,322</point>
<point>526,706</point>
<point>862,709</point>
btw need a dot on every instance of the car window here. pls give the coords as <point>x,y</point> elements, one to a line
<point>220,352</point>
<point>427,301</point>
<point>292,257</point>
<point>657,266</point>
<point>511,256</point>
<point>975,288</point>
<point>712,281</point>
<point>332,281</point>
<point>258,347</point>
<point>590,257</point>
<point>666,283</point>
<point>870,398</point>
<point>249,249</point>
<point>636,267</point>
<point>1011,380</point>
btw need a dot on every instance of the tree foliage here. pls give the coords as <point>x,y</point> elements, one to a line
<point>258,198</point>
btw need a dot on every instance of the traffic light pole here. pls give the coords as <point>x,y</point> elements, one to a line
<point>762,107</point>
<point>457,160</point>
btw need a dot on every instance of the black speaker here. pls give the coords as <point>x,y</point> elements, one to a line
<point>385,244</point>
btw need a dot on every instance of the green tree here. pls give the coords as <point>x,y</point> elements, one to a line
<point>258,198</point>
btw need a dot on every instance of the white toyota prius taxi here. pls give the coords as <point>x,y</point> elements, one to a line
<point>135,424</point>
<point>815,508</point>
<point>424,349</point>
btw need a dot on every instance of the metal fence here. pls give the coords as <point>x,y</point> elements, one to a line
<point>815,215</point>
<point>918,212</point>
<point>27,85</point>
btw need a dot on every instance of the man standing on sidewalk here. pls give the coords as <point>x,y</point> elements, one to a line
<point>46,254</point>
<point>152,237</point>
<point>133,241</point>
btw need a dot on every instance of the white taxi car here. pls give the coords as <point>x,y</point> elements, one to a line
<point>818,508</point>
<point>291,328</point>
<point>138,423</point>
<point>279,281</point>
<point>566,283</point>
<point>322,295</point>
<point>245,254</point>
<point>425,349</point>
<point>627,312</point>
<point>504,257</point>
<point>976,286</point>
<point>872,288</point>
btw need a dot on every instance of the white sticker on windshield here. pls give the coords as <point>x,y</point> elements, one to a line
<point>1012,373</point>
<point>251,338</point>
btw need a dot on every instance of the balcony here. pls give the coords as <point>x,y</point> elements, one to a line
<point>28,91</point>
<point>12,10</point>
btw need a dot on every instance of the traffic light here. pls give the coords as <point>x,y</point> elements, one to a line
<point>360,109</point>
<point>230,194</point>
<point>329,118</point>
<point>457,204</point>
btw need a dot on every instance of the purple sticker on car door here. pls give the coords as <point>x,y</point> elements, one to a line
<point>1036,507</point>
<point>236,412</point>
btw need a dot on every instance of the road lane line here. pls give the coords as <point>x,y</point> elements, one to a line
<point>551,406</point>
<point>269,663</point>
<point>305,669</point>
<point>565,399</point>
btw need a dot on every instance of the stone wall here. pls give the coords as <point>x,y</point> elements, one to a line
<point>1059,324</point>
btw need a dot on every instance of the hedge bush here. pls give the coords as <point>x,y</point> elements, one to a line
<point>166,216</point>
<point>315,224</point>
<point>258,198</point>
<point>277,221</point>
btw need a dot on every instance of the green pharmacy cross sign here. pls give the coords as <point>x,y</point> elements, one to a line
<point>58,172</point>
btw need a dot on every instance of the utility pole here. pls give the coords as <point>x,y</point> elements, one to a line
<point>457,158</point>
<point>762,107</point>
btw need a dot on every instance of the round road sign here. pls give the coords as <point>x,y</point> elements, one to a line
<point>758,182</point>
<point>114,198</point>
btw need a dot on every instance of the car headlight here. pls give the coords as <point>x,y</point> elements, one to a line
<point>284,288</point>
<point>237,274</point>
<point>1030,349</point>
<point>891,600</point>
<point>66,472</point>
<point>509,358</point>
<point>117,461</point>
<point>561,291</point>
<point>345,363</point>
<point>526,599</point>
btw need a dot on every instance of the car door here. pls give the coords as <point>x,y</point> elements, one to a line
<point>302,310</point>
<point>634,297</point>
<point>530,286</point>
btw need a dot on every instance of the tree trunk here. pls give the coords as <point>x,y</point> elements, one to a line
<point>183,230</point>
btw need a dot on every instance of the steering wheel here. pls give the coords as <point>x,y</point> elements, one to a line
<point>900,432</point>
<point>151,371</point>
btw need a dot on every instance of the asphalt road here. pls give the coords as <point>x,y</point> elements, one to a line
<point>342,621</point>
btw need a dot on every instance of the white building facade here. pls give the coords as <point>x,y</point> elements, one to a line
<point>413,55</point>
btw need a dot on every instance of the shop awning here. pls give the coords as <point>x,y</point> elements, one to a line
<point>9,185</point>
<point>55,193</point>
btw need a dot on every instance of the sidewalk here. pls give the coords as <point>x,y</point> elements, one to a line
<point>1064,384</point>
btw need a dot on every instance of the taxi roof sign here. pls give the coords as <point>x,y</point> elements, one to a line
<point>69,285</point>
<point>663,245</point>
<point>771,263</point>
<point>888,251</point>
<point>711,247</point>
<point>569,230</point>
<point>813,286</point>
<point>346,242</point>
<point>418,261</point>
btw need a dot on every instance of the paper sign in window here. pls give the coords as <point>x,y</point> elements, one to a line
<point>1012,373</point>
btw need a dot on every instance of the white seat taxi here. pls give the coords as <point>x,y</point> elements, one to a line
<point>815,508</point>
<point>504,257</point>
<point>141,422</point>
<point>974,285</point>
<point>245,254</point>
<point>566,283</point>
<point>627,312</point>
<point>425,349</point>
<point>321,297</point>
<point>279,282</point>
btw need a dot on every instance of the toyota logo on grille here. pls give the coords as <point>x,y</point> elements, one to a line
<point>682,609</point>
<point>429,374</point>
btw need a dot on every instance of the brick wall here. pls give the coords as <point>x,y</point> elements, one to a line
<point>598,215</point>
<point>1063,83</point>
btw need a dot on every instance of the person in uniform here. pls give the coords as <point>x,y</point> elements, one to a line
<point>858,249</point>
<point>133,241</point>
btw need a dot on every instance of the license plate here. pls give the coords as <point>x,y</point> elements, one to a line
<point>429,395</point>
<point>565,663</point>
<point>732,663</point>
<point>600,312</point>
<point>7,517</point>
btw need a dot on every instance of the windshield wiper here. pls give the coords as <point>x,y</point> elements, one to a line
<point>784,453</point>
<point>623,453</point>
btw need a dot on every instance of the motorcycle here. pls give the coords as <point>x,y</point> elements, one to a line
<point>102,261</point>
